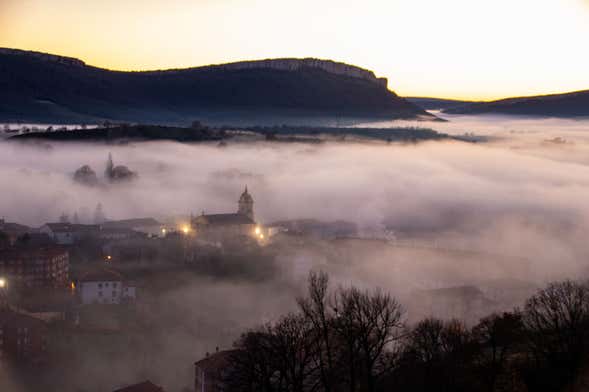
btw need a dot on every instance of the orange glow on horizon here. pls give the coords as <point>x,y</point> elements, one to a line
<point>459,49</point>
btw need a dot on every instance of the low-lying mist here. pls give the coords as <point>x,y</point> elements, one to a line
<point>513,209</point>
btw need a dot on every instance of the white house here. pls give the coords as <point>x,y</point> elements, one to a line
<point>68,233</point>
<point>105,287</point>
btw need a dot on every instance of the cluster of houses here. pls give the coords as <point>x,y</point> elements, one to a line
<point>37,262</point>
<point>36,286</point>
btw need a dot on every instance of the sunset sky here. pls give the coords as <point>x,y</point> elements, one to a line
<point>473,49</point>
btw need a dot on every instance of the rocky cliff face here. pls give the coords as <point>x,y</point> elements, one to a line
<point>70,61</point>
<point>297,64</point>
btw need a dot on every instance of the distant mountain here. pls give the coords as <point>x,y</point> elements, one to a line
<point>436,103</point>
<point>574,104</point>
<point>40,87</point>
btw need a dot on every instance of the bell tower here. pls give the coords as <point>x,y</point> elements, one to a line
<point>246,204</point>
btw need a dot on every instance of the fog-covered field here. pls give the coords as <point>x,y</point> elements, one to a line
<point>517,204</point>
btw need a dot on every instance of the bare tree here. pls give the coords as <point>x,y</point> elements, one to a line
<point>251,367</point>
<point>315,308</point>
<point>499,335</point>
<point>64,218</point>
<point>294,352</point>
<point>439,355</point>
<point>556,320</point>
<point>368,324</point>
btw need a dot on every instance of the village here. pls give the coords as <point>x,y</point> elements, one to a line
<point>66,280</point>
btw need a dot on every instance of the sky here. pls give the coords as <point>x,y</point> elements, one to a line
<point>464,49</point>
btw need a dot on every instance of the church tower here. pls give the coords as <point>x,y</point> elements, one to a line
<point>246,204</point>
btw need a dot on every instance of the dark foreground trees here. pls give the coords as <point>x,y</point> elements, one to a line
<point>353,340</point>
<point>341,343</point>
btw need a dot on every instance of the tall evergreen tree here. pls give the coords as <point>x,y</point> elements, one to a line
<point>108,172</point>
<point>99,216</point>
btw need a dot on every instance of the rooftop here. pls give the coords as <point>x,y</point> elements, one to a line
<point>13,228</point>
<point>32,253</point>
<point>102,275</point>
<point>71,227</point>
<point>145,386</point>
<point>216,361</point>
<point>11,318</point>
<point>228,219</point>
<point>131,223</point>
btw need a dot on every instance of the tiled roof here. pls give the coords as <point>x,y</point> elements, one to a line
<point>215,362</point>
<point>71,227</point>
<point>14,319</point>
<point>14,228</point>
<point>102,275</point>
<point>28,253</point>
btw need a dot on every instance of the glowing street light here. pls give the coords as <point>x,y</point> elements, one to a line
<point>258,230</point>
<point>108,258</point>
<point>2,283</point>
<point>185,229</point>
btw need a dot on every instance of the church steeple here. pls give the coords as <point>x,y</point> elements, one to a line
<point>246,204</point>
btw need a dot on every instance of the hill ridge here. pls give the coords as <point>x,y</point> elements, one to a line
<point>43,87</point>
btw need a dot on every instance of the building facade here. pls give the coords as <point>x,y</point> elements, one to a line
<point>45,267</point>
<point>69,233</point>
<point>209,373</point>
<point>12,231</point>
<point>226,226</point>
<point>105,287</point>
<point>22,338</point>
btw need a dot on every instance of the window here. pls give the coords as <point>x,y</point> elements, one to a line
<point>114,293</point>
<point>106,285</point>
<point>99,285</point>
<point>100,293</point>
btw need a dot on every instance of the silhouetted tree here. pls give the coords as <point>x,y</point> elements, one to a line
<point>108,171</point>
<point>499,336</point>
<point>99,216</point>
<point>315,308</point>
<point>438,357</point>
<point>367,324</point>
<point>556,322</point>
<point>64,218</point>
<point>252,367</point>
<point>294,351</point>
